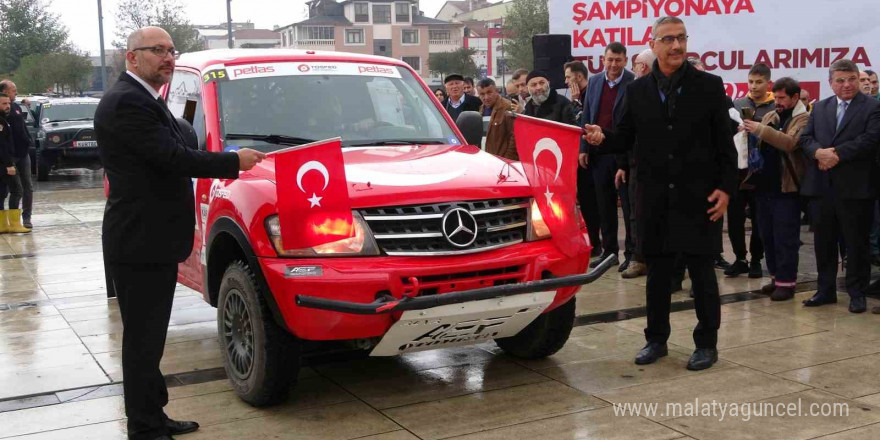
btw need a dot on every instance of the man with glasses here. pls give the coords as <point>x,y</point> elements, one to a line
<point>677,124</point>
<point>149,218</point>
<point>840,141</point>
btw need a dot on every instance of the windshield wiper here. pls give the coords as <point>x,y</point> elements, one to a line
<point>394,142</point>
<point>271,138</point>
<point>72,119</point>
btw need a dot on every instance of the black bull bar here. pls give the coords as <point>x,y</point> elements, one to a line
<point>389,304</point>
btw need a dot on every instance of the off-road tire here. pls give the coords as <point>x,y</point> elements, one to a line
<point>274,365</point>
<point>545,335</point>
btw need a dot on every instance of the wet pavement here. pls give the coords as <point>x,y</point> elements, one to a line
<point>60,361</point>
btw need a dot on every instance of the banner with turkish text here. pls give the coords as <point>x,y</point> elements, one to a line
<point>795,38</point>
<point>313,205</point>
<point>549,154</point>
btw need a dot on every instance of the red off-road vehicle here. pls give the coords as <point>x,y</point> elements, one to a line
<point>448,236</point>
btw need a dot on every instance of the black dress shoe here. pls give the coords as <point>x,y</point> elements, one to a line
<point>702,358</point>
<point>755,270</point>
<point>624,266</point>
<point>598,261</point>
<point>858,305</point>
<point>817,301</point>
<point>595,252</point>
<point>721,263</point>
<point>738,268</point>
<point>178,428</point>
<point>651,352</point>
<point>873,288</point>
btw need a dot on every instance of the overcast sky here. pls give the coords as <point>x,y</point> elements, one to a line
<point>81,16</point>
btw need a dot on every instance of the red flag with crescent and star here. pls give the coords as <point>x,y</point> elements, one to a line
<point>549,153</point>
<point>313,205</point>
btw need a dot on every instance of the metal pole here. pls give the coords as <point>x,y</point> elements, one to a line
<point>229,22</point>
<point>103,56</point>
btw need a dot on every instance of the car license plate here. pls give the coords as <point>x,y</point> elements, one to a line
<point>462,324</point>
<point>85,143</point>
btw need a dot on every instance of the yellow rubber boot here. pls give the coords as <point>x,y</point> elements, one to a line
<point>14,219</point>
<point>4,222</point>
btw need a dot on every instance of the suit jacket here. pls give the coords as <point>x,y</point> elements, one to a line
<point>590,114</point>
<point>856,144</point>
<point>150,212</point>
<point>681,161</point>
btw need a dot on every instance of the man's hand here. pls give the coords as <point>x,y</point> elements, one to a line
<point>827,158</point>
<point>248,158</point>
<point>750,126</point>
<point>575,91</point>
<point>593,134</point>
<point>583,160</point>
<point>720,199</point>
<point>619,178</point>
<point>10,171</point>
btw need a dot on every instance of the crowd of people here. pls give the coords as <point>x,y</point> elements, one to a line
<point>664,141</point>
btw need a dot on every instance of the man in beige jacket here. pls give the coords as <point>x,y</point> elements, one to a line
<point>778,185</point>
<point>499,139</point>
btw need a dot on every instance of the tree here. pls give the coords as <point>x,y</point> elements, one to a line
<point>68,71</point>
<point>525,19</point>
<point>166,14</point>
<point>459,61</point>
<point>27,28</point>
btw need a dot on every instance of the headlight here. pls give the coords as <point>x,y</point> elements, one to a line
<point>55,139</point>
<point>538,229</point>
<point>362,244</point>
<point>41,135</point>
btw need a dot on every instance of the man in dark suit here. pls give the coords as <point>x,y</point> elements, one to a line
<point>149,218</point>
<point>840,141</point>
<point>677,124</point>
<point>604,107</point>
<point>457,101</point>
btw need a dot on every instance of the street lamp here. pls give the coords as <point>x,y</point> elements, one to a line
<point>103,57</point>
<point>229,23</point>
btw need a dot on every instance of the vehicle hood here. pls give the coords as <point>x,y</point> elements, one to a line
<point>416,174</point>
<point>67,126</point>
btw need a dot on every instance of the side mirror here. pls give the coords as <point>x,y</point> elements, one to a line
<point>471,126</point>
<point>189,133</point>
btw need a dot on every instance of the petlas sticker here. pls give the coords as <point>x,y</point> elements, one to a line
<point>260,70</point>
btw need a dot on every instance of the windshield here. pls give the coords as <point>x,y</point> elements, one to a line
<point>69,112</point>
<point>299,102</point>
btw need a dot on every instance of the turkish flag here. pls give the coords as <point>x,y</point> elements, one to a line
<point>313,205</point>
<point>549,153</point>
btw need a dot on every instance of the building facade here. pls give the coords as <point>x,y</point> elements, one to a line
<point>395,29</point>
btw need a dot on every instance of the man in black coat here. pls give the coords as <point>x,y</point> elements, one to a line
<point>149,218</point>
<point>457,101</point>
<point>23,143</point>
<point>544,102</point>
<point>677,119</point>
<point>840,141</point>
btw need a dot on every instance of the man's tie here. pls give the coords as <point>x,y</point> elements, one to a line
<point>840,112</point>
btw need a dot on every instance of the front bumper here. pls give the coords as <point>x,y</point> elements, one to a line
<point>364,281</point>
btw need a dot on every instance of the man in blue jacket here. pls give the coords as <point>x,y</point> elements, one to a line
<point>604,107</point>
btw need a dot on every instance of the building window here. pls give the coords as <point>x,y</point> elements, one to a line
<point>401,12</point>
<point>414,62</point>
<point>381,14</point>
<point>410,36</point>
<point>439,36</point>
<point>319,32</point>
<point>354,36</point>
<point>361,12</point>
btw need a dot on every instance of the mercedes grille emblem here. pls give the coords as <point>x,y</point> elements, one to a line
<point>460,227</point>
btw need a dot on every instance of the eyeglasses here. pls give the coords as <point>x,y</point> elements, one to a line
<point>159,51</point>
<point>669,39</point>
